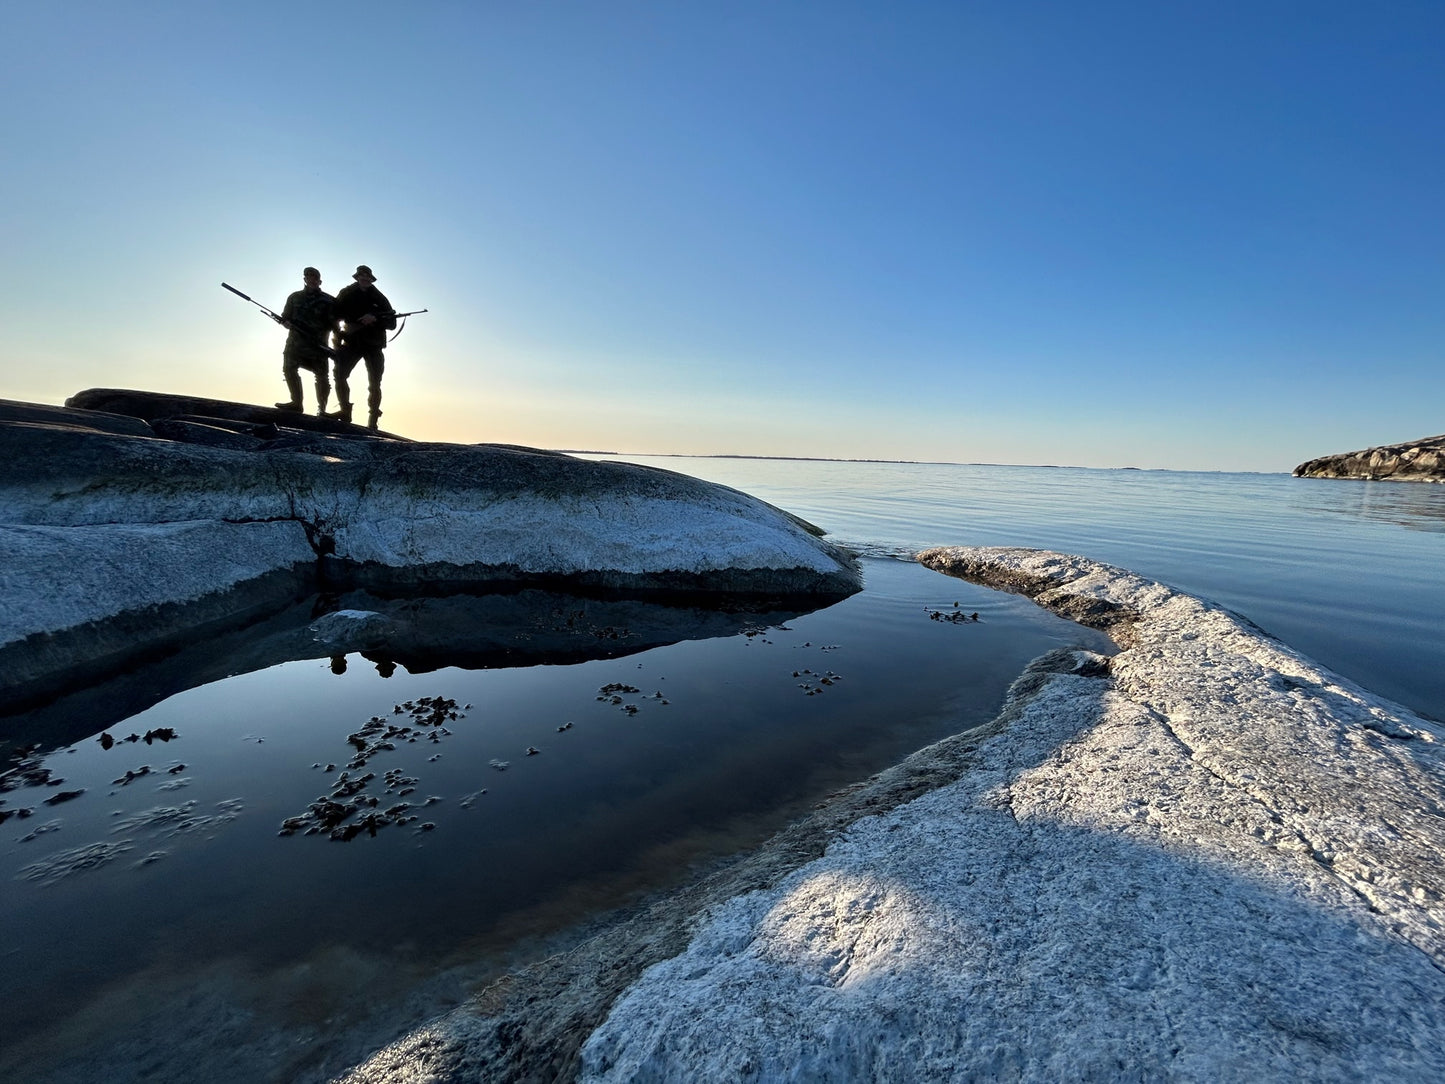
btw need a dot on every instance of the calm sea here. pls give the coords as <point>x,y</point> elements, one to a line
<point>1350,572</point>
<point>159,920</point>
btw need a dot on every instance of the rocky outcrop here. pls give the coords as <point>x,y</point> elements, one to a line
<point>1420,460</point>
<point>131,528</point>
<point>1204,858</point>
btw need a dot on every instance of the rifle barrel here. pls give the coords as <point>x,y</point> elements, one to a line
<point>253,301</point>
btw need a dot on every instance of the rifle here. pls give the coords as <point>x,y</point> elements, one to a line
<point>252,300</point>
<point>402,317</point>
<point>330,353</point>
<point>398,316</point>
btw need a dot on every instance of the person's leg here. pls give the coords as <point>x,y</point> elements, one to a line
<point>293,383</point>
<point>346,360</point>
<point>323,386</point>
<point>316,366</point>
<point>375,366</point>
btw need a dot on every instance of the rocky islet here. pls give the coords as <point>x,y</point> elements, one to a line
<point>1420,460</point>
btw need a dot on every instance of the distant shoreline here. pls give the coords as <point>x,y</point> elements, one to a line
<point>898,462</point>
<point>784,458</point>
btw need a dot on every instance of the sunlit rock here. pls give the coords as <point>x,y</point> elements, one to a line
<point>1420,460</point>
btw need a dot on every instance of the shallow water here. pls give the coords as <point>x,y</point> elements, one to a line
<point>181,871</point>
<point>1350,572</point>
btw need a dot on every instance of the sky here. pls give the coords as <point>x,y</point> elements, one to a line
<point>1190,235</point>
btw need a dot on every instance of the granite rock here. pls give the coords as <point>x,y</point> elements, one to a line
<point>128,528</point>
<point>1420,460</point>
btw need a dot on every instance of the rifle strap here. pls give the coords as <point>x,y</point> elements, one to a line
<point>400,328</point>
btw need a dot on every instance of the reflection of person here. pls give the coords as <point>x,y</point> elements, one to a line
<point>307,314</point>
<point>384,665</point>
<point>338,664</point>
<point>368,316</point>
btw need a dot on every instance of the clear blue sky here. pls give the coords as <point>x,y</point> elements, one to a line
<point>1196,235</point>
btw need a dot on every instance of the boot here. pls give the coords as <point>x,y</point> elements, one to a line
<point>292,407</point>
<point>342,415</point>
<point>371,422</point>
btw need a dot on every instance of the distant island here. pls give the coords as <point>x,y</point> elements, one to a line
<point>1420,460</point>
<point>836,459</point>
<point>739,455</point>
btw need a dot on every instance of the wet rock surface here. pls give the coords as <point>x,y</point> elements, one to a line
<point>1420,460</point>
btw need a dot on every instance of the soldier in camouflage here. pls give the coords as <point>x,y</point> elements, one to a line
<point>368,316</point>
<point>309,315</point>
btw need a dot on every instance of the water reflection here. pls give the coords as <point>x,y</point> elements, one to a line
<point>506,628</point>
<point>1416,506</point>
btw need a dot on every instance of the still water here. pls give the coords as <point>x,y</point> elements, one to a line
<point>1350,572</point>
<point>160,927</point>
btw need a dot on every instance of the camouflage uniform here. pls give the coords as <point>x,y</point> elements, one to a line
<point>309,312</point>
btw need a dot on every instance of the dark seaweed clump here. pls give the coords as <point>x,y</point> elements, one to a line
<point>353,805</point>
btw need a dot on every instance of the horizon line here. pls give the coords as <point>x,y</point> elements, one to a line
<point>899,462</point>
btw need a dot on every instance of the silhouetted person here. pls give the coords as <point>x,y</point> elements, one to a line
<point>368,316</point>
<point>308,314</point>
<point>338,664</point>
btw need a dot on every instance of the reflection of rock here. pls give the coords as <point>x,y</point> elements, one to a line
<point>125,535</point>
<point>348,627</point>
<point>1420,460</point>
<point>511,628</point>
